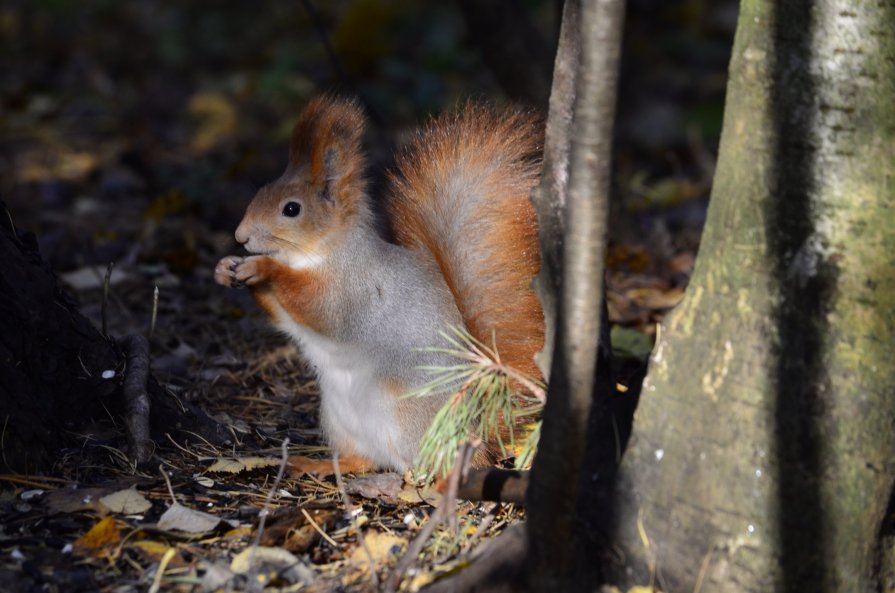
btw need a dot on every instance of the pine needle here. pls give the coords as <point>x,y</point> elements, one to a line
<point>491,395</point>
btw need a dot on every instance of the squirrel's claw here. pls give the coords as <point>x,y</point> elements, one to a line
<point>225,271</point>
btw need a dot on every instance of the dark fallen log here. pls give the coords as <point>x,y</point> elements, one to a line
<point>60,377</point>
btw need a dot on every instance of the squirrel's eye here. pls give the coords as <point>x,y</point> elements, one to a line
<point>292,209</point>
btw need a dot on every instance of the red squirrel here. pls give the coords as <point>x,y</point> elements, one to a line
<point>365,312</point>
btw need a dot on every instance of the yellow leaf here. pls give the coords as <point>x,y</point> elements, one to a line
<point>101,540</point>
<point>381,547</point>
<point>234,466</point>
<point>238,532</point>
<point>152,550</point>
<point>412,495</point>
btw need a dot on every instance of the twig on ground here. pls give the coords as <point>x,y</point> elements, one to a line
<point>703,569</point>
<point>442,512</point>
<point>349,507</point>
<point>160,571</point>
<point>161,470</point>
<point>183,449</point>
<point>462,466</point>
<point>107,281</point>
<point>486,522</point>
<point>31,480</point>
<point>154,312</point>
<point>262,516</point>
<point>318,529</point>
<point>136,397</point>
<point>498,565</point>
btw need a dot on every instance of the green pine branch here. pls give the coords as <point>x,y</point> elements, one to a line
<point>485,399</point>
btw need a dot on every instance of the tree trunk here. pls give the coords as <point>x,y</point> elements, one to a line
<point>575,406</point>
<point>550,195</point>
<point>761,457</point>
<point>51,360</point>
<point>58,374</point>
<point>578,452</point>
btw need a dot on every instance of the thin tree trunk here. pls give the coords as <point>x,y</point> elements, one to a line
<point>550,196</point>
<point>515,562</point>
<point>762,451</point>
<point>553,525</point>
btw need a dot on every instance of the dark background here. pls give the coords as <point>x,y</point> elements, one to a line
<point>136,132</point>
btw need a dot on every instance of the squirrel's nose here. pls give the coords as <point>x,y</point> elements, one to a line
<point>242,233</point>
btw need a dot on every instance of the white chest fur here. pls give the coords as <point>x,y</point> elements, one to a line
<point>357,415</point>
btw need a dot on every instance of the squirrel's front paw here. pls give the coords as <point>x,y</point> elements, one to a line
<point>225,271</point>
<point>253,270</point>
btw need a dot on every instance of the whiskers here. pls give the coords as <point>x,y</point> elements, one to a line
<point>296,255</point>
<point>293,248</point>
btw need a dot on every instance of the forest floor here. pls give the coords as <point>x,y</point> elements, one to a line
<point>147,158</point>
<point>96,522</point>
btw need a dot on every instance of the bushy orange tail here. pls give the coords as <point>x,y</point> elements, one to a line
<point>461,191</point>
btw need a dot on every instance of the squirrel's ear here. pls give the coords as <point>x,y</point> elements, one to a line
<point>327,138</point>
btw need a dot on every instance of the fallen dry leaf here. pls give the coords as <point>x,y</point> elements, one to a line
<point>385,486</point>
<point>100,541</point>
<point>413,495</point>
<point>266,564</point>
<point>216,576</point>
<point>126,502</point>
<point>381,547</point>
<point>154,551</point>
<point>290,529</point>
<point>238,532</point>
<point>241,464</point>
<point>180,518</point>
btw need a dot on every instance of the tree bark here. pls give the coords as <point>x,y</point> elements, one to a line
<point>550,196</point>
<point>574,406</point>
<point>525,557</point>
<point>761,458</point>
<point>59,375</point>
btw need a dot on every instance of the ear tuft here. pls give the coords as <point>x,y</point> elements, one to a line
<point>327,138</point>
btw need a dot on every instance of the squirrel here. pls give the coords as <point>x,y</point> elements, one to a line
<point>366,312</point>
